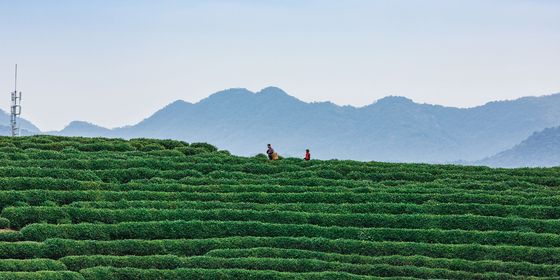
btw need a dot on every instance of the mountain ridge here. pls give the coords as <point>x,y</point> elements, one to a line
<point>541,149</point>
<point>393,128</point>
<point>26,127</point>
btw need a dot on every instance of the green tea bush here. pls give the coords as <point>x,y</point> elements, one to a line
<point>41,275</point>
<point>4,223</point>
<point>108,273</point>
<point>164,209</point>
<point>57,248</point>
<point>207,147</point>
<point>275,264</point>
<point>513,268</point>
<point>31,265</point>
<point>213,229</point>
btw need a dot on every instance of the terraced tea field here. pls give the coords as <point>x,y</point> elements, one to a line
<point>80,208</point>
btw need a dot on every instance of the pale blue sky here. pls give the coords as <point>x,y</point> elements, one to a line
<point>115,62</point>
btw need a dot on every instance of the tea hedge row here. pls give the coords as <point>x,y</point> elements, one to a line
<point>41,275</point>
<point>21,216</point>
<point>57,248</point>
<point>108,273</point>
<point>31,265</point>
<point>514,268</point>
<point>246,171</point>
<point>213,229</point>
<point>275,264</point>
<point>497,210</point>
<point>202,186</point>
<point>39,197</point>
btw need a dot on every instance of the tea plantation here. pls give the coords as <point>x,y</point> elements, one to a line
<point>108,209</point>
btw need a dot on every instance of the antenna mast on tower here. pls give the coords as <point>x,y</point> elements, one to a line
<point>16,108</point>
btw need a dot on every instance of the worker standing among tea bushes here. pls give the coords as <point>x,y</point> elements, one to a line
<point>270,152</point>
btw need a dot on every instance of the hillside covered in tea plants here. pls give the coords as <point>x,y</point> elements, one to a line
<point>110,209</point>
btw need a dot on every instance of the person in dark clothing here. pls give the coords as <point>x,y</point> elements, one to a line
<point>270,151</point>
<point>307,155</point>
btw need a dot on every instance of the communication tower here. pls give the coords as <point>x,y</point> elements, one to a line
<point>16,108</point>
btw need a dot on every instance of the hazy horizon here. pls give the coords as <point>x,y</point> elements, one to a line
<point>256,91</point>
<point>115,63</point>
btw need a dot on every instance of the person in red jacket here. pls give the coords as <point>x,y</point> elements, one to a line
<point>307,155</point>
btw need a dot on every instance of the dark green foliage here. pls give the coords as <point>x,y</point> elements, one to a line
<point>21,250</point>
<point>31,265</point>
<point>107,273</point>
<point>276,264</point>
<point>533,212</point>
<point>4,223</point>
<point>56,248</point>
<point>9,235</point>
<point>21,216</point>
<point>209,148</point>
<point>515,268</point>
<point>199,229</point>
<point>164,209</point>
<point>41,275</point>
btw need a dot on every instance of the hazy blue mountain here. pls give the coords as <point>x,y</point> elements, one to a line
<point>7,131</point>
<point>540,149</point>
<point>81,128</point>
<point>391,129</point>
<point>23,124</point>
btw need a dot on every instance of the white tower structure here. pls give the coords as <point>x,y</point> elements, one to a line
<point>16,108</point>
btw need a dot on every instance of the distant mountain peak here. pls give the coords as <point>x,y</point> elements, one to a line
<point>228,94</point>
<point>82,124</point>
<point>392,99</point>
<point>540,149</point>
<point>78,123</point>
<point>276,94</point>
<point>178,104</point>
<point>23,123</point>
<point>241,95</point>
<point>272,90</point>
<point>83,128</point>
